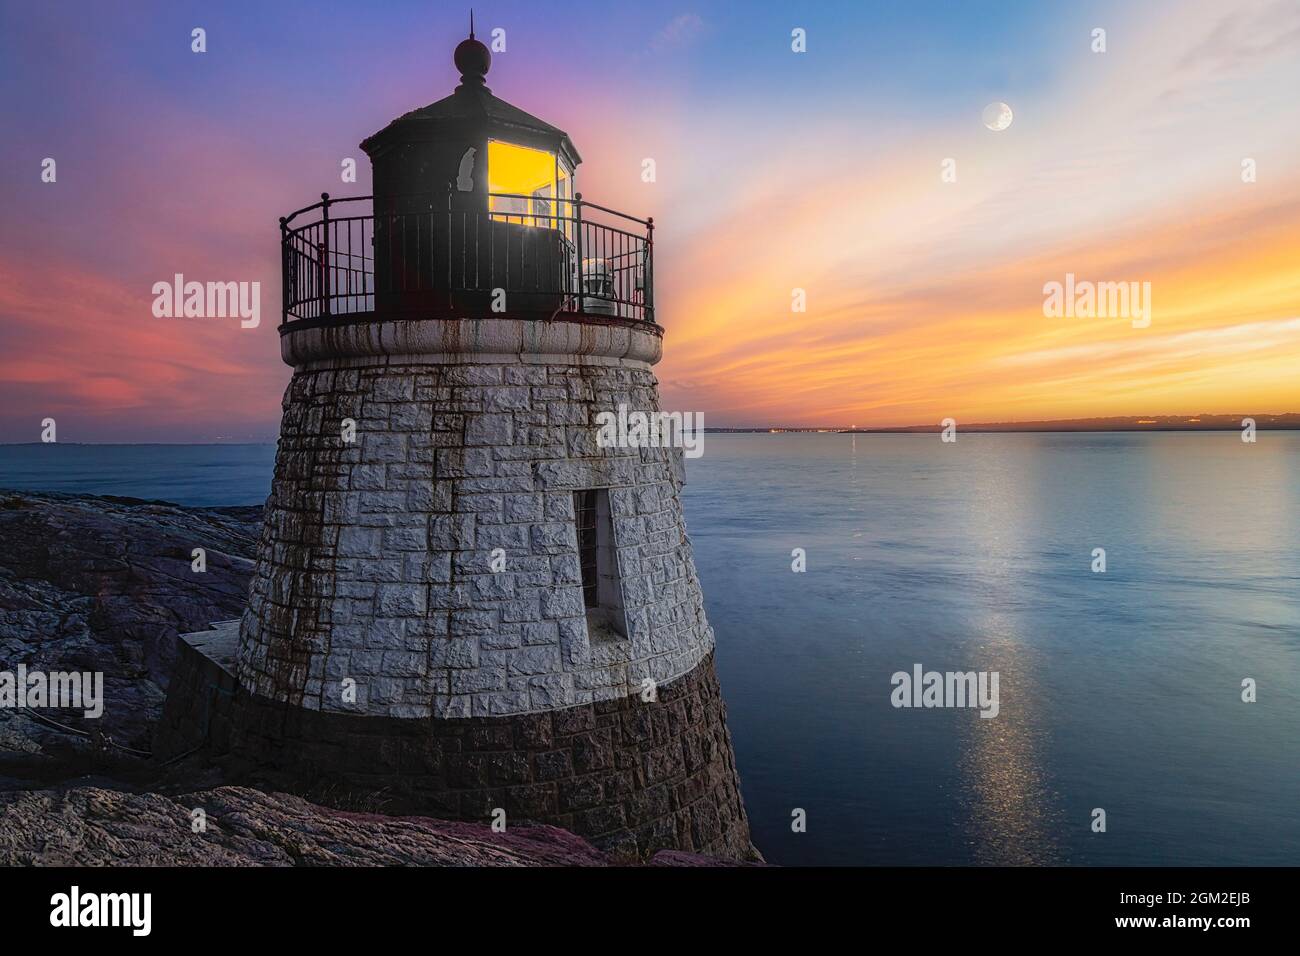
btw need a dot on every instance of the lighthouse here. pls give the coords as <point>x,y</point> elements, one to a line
<point>463,600</point>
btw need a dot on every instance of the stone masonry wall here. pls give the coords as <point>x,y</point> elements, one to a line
<point>632,776</point>
<point>374,562</point>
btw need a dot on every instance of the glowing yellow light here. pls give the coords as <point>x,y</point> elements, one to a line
<point>529,172</point>
<point>518,169</point>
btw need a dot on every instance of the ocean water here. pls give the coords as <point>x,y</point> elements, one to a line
<point>209,476</point>
<point>1119,691</point>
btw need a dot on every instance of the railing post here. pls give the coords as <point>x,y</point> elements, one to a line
<point>451,244</point>
<point>325,256</point>
<point>650,268</point>
<point>577,214</point>
<point>284,270</point>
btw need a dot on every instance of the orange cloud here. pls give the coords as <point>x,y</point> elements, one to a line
<point>976,345</point>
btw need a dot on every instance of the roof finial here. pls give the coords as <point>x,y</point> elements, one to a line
<point>472,58</point>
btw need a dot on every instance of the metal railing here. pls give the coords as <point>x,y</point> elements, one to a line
<point>520,254</point>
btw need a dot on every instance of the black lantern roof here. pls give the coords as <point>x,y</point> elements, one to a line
<point>471,111</point>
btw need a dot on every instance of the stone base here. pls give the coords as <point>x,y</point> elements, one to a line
<point>631,777</point>
<point>198,711</point>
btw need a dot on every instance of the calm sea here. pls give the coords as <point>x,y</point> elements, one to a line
<point>1118,690</point>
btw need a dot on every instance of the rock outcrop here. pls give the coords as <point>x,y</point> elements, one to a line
<point>89,826</point>
<point>105,584</point>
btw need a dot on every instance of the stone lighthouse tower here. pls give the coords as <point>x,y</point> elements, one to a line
<point>461,599</point>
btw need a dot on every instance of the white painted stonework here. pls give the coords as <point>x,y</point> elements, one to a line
<point>471,435</point>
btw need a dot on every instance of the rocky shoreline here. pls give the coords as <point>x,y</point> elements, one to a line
<point>95,826</point>
<point>105,584</point>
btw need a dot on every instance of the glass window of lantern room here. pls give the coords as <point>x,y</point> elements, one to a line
<point>522,183</point>
<point>564,201</point>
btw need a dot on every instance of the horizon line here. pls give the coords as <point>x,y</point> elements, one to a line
<point>1286,421</point>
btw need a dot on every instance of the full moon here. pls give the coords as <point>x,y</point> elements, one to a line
<point>997,116</point>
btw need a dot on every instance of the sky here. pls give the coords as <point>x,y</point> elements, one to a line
<point>858,171</point>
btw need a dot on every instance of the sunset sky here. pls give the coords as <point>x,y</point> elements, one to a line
<point>776,170</point>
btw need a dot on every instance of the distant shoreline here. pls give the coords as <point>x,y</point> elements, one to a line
<point>997,429</point>
<point>1289,421</point>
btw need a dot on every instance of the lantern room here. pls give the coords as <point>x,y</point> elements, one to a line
<point>475,211</point>
<point>474,144</point>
